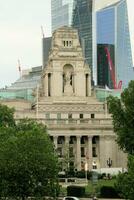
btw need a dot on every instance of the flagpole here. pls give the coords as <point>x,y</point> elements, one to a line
<point>105,102</point>
<point>86,168</point>
<point>37,102</point>
<point>19,67</point>
<point>42,31</point>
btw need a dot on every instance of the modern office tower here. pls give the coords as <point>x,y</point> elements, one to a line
<point>61,12</point>
<point>113,27</point>
<point>82,20</point>
<point>78,14</point>
<point>104,73</point>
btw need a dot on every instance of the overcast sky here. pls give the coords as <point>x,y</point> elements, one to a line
<point>20,35</point>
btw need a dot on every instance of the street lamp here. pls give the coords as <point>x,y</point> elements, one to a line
<point>86,168</point>
<point>109,162</point>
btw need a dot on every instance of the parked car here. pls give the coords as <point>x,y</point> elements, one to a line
<point>70,198</point>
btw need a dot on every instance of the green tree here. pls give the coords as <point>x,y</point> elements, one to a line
<point>29,165</point>
<point>6,116</point>
<point>67,159</point>
<point>125,181</point>
<point>122,111</point>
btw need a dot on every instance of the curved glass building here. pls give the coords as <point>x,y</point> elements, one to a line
<point>113,26</point>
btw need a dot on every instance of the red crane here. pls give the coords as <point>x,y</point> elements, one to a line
<point>112,70</point>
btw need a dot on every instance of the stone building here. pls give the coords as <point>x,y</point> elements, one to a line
<point>77,122</point>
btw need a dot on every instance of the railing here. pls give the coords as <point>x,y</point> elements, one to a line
<point>71,121</point>
<point>77,121</point>
<point>72,180</point>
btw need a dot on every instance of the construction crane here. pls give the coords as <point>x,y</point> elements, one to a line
<point>112,70</point>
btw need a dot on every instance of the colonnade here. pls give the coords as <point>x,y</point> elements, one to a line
<point>78,158</point>
<point>105,146</point>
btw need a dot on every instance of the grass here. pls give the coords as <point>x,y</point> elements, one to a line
<point>95,188</point>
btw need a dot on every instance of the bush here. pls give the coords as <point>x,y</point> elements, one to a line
<point>108,192</point>
<point>77,191</point>
<point>70,173</point>
<point>103,175</point>
<point>82,174</point>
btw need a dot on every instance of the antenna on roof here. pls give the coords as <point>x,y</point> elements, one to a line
<point>42,31</point>
<point>19,67</point>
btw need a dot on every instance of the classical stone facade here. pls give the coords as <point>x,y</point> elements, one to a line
<point>77,122</point>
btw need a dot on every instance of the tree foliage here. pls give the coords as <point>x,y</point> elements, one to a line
<point>28,163</point>
<point>125,181</point>
<point>6,116</point>
<point>122,111</point>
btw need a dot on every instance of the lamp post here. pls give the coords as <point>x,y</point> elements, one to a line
<point>86,168</point>
<point>109,162</point>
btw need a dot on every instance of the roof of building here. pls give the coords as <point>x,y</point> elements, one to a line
<point>24,86</point>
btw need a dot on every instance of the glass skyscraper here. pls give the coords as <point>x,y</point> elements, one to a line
<point>113,28</point>
<point>82,20</point>
<point>124,59</point>
<point>61,12</point>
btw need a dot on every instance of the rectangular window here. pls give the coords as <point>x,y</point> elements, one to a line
<point>92,116</point>
<point>94,152</point>
<point>70,116</point>
<point>64,43</point>
<point>58,115</point>
<point>47,115</point>
<point>82,152</point>
<point>81,116</point>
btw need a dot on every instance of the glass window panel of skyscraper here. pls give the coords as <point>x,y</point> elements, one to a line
<point>61,11</point>
<point>106,26</point>
<point>82,20</point>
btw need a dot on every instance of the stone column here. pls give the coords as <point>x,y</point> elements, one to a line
<point>67,138</point>
<point>55,138</point>
<point>102,152</point>
<point>66,153</point>
<point>46,85</point>
<point>89,153</point>
<point>78,153</point>
<point>66,145</point>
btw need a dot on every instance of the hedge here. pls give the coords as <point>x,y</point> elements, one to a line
<point>77,191</point>
<point>108,192</point>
